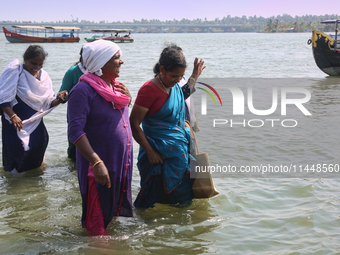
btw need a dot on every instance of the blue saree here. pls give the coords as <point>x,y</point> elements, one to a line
<point>165,130</point>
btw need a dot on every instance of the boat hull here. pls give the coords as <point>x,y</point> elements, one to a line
<point>326,58</point>
<point>13,37</point>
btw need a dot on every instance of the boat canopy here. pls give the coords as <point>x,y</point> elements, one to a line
<point>330,21</point>
<point>112,30</point>
<point>47,27</point>
<point>74,28</point>
<point>33,27</point>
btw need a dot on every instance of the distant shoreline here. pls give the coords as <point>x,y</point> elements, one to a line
<point>275,24</point>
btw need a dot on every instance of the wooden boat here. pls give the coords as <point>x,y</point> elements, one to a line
<point>338,41</point>
<point>113,38</point>
<point>42,34</point>
<point>325,50</point>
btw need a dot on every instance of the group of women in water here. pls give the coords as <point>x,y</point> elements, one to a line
<point>100,128</point>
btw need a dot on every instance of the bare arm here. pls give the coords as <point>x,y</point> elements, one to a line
<point>17,122</point>
<point>100,172</point>
<point>196,72</point>
<point>137,115</point>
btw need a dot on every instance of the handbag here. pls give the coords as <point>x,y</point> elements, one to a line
<point>203,185</point>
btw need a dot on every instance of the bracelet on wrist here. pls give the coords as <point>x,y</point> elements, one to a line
<point>98,162</point>
<point>59,99</point>
<point>191,78</point>
<point>12,116</point>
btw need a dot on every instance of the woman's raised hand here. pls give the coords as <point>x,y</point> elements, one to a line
<point>198,68</point>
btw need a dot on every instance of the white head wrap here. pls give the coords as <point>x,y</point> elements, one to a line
<point>96,54</point>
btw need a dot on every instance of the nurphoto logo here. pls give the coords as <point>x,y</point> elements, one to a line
<point>240,102</point>
<point>204,97</point>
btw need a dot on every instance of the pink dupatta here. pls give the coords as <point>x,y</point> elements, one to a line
<point>118,99</point>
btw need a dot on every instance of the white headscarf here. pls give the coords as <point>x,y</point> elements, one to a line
<point>96,54</point>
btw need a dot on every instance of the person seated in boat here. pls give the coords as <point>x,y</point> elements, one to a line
<point>26,96</point>
<point>100,129</point>
<point>128,35</point>
<point>72,33</point>
<point>163,160</point>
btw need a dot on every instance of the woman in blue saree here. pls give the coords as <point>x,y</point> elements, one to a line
<point>164,156</point>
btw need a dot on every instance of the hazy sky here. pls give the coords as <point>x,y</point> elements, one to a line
<point>97,10</point>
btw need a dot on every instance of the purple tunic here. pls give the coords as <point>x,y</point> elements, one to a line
<point>109,133</point>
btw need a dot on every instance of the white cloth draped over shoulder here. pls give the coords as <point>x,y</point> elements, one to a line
<point>81,67</point>
<point>96,54</point>
<point>37,94</point>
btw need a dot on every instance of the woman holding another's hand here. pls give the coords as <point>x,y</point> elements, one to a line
<point>26,95</point>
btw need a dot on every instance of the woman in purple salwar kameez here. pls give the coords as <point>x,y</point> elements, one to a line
<point>100,129</point>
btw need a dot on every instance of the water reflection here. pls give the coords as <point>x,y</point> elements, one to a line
<point>35,207</point>
<point>42,208</point>
<point>325,91</point>
<point>169,229</point>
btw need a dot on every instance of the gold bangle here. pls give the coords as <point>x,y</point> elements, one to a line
<point>193,79</point>
<point>59,99</point>
<point>98,162</point>
<point>12,116</point>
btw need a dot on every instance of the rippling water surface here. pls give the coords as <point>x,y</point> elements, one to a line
<point>40,210</point>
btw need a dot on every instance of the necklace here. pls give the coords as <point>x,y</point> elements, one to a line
<point>166,91</point>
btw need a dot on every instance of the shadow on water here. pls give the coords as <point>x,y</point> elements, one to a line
<point>167,229</point>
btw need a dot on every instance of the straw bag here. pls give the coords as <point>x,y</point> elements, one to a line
<point>203,186</point>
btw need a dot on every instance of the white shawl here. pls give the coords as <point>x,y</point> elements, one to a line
<point>81,67</point>
<point>36,94</point>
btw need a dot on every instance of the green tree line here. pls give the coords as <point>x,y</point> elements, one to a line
<point>298,23</point>
<point>279,23</point>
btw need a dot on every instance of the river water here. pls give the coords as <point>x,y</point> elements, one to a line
<point>40,210</point>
